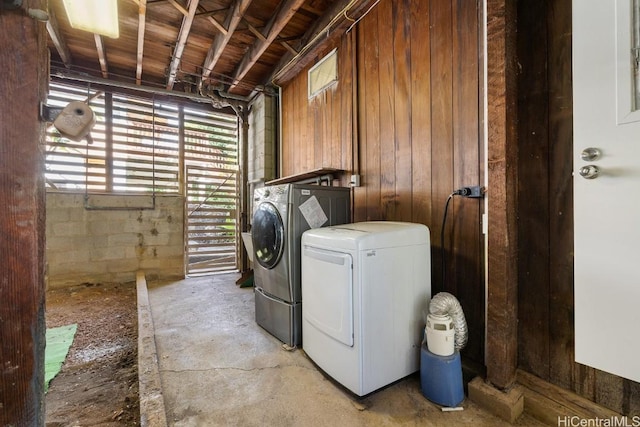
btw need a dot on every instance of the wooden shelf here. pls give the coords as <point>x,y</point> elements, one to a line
<point>305,175</point>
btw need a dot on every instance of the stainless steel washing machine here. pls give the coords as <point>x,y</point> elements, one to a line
<point>281,214</point>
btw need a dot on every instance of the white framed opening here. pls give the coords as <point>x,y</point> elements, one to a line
<point>324,74</point>
<point>627,61</point>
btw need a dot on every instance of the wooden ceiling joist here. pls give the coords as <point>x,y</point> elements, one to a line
<point>261,36</point>
<point>58,40</point>
<point>333,22</point>
<point>288,47</point>
<point>231,21</point>
<point>178,6</point>
<point>102,55</point>
<point>218,25</point>
<point>209,15</point>
<point>142,19</point>
<point>225,50</point>
<point>256,32</point>
<point>278,21</point>
<point>183,35</point>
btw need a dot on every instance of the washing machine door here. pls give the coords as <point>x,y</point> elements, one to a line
<point>267,232</point>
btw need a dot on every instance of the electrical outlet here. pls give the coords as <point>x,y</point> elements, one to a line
<point>475,192</point>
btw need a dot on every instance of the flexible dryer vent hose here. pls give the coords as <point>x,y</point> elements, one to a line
<point>446,304</point>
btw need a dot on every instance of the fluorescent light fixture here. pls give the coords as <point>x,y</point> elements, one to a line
<point>95,16</point>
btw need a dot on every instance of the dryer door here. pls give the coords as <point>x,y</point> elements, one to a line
<point>267,232</point>
<point>327,292</point>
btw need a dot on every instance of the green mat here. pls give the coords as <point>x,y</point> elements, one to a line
<point>58,342</point>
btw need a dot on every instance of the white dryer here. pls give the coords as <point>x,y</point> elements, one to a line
<point>365,287</point>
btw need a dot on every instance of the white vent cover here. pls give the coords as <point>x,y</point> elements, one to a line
<point>324,74</point>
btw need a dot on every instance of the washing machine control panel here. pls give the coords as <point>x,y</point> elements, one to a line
<point>272,194</point>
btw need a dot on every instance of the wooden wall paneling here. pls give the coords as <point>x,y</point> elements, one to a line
<point>370,114</point>
<point>360,154</point>
<point>284,149</point>
<point>298,144</point>
<point>467,263</point>
<point>23,85</point>
<point>359,212</point>
<point>613,392</point>
<point>318,107</point>
<point>441,135</point>
<point>502,301</point>
<point>305,144</point>
<point>287,131</point>
<point>421,115</point>
<point>631,402</point>
<point>348,109</point>
<point>387,117</point>
<point>617,393</point>
<point>328,137</point>
<point>340,111</point>
<point>609,390</point>
<point>561,353</point>
<point>584,378</point>
<point>336,115</point>
<point>313,128</point>
<point>307,128</point>
<point>283,133</point>
<point>323,123</point>
<point>533,190</point>
<point>402,108</point>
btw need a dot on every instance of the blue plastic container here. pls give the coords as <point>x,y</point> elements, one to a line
<point>441,378</point>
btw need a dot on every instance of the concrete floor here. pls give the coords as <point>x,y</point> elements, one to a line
<point>219,368</point>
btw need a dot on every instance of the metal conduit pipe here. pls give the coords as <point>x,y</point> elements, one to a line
<point>225,99</point>
<point>446,304</point>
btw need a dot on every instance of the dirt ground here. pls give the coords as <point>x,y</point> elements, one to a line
<point>98,383</point>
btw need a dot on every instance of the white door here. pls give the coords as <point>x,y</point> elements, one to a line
<point>607,206</point>
<point>327,292</point>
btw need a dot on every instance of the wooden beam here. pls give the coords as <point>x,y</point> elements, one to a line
<point>210,18</point>
<point>178,6</point>
<point>102,57</point>
<point>231,21</point>
<point>311,9</point>
<point>325,30</point>
<point>218,25</point>
<point>501,355</point>
<point>58,39</point>
<point>142,20</point>
<point>23,86</point>
<point>278,21</point>
<point>287,46</point>
<point>185,29</point>
<point>255,31</point>
<point>210,12</point>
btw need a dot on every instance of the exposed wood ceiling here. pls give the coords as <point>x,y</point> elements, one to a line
<point>230,46</point>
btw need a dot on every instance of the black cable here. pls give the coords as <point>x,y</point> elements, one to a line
<point>444,255</point>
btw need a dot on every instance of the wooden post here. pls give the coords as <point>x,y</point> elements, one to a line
<point>243,190</point>
<point>23,84</point>
<point>502,300</point>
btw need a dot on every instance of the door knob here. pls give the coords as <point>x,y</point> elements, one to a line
<point>589,171</point>
<point>590,154</point>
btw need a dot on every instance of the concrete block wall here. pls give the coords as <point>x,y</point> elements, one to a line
<point>262,139</point>
<point>110,244</point>
<point>262,143</point>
